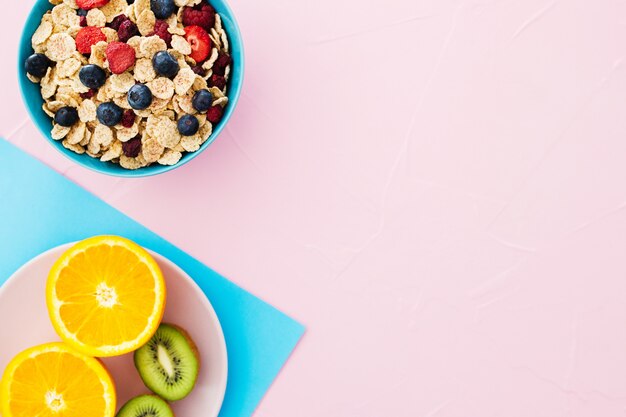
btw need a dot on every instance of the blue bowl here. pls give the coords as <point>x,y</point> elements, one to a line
<point>33,100</point>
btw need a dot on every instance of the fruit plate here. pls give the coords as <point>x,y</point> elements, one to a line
<point>24,322</point>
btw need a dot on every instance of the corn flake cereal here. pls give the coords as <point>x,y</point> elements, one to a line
<point>87,111</point>
<point>170,157</point>
<point>145,22</point>
<point>162,88</point>
<point>60,46</point>
<point>95,17</point>
<point>42,33</point>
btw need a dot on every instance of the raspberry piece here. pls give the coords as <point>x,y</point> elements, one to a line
<point>127,30</point>
<point>128,119</point>
<point>217,70</point>
<point>202,15</point>
<point>83,21</point>
<point>91,4</point>
<point>200,43</point>
<point>215,113</point>
<point>89,94</point>
<point>160,29</point>
<point>199,70</point>
<point>87,37</point>
<point>223,60</point>
<point>115,24</point>
<point>132,148</point>
<point>217,81</point>
<point>120,56</point>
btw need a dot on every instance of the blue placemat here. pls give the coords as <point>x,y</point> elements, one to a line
<point>40,209</point>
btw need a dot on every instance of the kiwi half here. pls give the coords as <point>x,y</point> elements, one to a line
<point>168,364</point>
<point>146,406</point>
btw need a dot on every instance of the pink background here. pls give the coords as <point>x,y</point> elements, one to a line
<point>437,188</point>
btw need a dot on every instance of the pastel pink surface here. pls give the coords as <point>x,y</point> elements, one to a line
<point>436,188</point>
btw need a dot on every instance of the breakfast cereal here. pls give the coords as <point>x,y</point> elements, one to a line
<point>128,84</point>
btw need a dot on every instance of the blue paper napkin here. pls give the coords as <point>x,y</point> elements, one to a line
<point>40,209</point>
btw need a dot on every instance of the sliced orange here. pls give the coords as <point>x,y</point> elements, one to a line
<point>52,380</point>
<point>106,296</point>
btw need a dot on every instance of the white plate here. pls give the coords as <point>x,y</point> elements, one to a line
<point>24,323</point>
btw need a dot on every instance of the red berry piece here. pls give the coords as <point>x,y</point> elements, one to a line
<point>217,81</point>
<point>202,15</point>
<point>223,60</point>
<point>132,148</point>
<point>83,21</point>
<point>128,119</point>
<point>89,94</point>
<point>91,4</point>
<point>120,56</point>
<point>87,37</point>
<point>127,30</point>
<point>200,43</point>
<point>160,29</point>
<point>115,24</point>
<point>215,113</point>
<point>199,70</point>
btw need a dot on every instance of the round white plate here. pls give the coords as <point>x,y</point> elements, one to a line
<point>24,322</point>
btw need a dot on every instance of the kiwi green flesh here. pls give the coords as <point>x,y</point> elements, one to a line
<point>146,406</point>
<point>168,363</point>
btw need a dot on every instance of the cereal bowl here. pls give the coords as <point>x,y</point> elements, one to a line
<point>34,100</point>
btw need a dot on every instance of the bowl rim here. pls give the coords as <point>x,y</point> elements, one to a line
<point>154,170</point>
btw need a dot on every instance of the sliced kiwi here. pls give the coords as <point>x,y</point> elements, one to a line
<point>146,406</point>
<point>168,364</point>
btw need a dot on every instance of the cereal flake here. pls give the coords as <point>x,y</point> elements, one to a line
<point>170,157</point>
<point>95,17</point>
<point>146,21</point>
<point>42,33</point>
<point>162,88</point>
<point>60,46</point>
<point>184,81</point>
<point>59,132</point>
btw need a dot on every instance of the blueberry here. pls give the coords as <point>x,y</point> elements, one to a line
<point>163,8</point>
<point>165,64</point>
<point>109,114</point>
<point>202,100</point>
<point>139,97</point>
<point>66,116</point>
<point>92,76</point>
<point>81,12</point>
<point>37,65</point>
<point>188,125</point>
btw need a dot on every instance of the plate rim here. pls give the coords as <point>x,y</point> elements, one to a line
<point>185,275</point>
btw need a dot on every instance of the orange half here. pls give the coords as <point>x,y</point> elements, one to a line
<point>54,381</point>
<point>106,296</point>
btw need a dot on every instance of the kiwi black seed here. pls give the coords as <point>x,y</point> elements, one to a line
<point>168,364</point>
<point>146,406</point>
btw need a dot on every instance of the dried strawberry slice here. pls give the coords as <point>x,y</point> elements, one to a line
<point>120,56</point>
<point>91,4</point>
<point>200,43</point>
<point>87,37</point>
